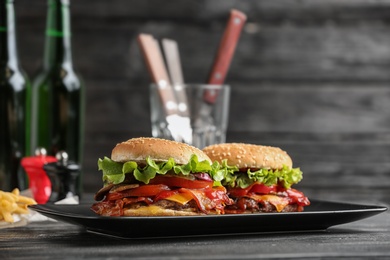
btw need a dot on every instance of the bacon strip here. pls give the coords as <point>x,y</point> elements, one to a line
<point>206,200</point>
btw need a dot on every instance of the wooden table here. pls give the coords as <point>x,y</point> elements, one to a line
<point>365,239</point>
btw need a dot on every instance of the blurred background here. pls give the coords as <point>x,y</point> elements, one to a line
<point>309,76</point>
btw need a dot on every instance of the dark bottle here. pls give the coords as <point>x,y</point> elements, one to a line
<point>14,101</point>
<point>58,93</point>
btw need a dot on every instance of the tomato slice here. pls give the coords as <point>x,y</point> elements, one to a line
<point>263,189</point>
<point>141,191</point>
<point>147,190</point>
<point>173,181</point>
<point>257,188</point>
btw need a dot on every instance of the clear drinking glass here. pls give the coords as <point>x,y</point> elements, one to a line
<point>205,106</point>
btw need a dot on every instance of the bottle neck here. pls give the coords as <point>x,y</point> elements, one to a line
<point>8,50</point>
<point>58,37</point>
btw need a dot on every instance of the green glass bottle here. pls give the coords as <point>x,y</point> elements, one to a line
<point>14,104</point>
<point>58,92</point>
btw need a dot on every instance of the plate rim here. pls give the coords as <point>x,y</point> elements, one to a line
<point>47,208</point>
<point>95,223</point>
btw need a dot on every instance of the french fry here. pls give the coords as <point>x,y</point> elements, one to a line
<point>8,217</point>
<point>16,192</point>
<point>26,200</point>
<point>9,205</point>
<point>7,196</point>
<point>20,211</point>
<point>13,203</point>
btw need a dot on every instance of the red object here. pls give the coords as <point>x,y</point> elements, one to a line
<point>141,191</point>
<point>225,52</point>
<point>39,182</point>
<point>181,182</point>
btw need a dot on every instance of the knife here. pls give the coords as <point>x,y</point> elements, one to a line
<point>178,126</point>
<point>218,74</point>
<point>172,58</point>
<point>225,52</point>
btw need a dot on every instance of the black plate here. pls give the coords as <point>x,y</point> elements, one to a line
<point>318,216</point>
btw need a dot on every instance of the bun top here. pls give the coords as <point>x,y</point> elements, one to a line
<point>160,150</point>
<point>249,155</point>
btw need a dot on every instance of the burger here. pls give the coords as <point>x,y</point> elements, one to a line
<point>158,177</point>
<point>259,178</point>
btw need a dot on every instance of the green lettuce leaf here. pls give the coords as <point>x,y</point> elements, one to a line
<point>285,176</point>
<point>115,173</point>
<point>221,173</point>
<point>112,171</point>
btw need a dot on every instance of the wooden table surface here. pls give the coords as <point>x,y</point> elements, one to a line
<point>364,239</point>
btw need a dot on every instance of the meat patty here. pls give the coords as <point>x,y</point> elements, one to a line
<point>168,204</point>
<point>248,205</point>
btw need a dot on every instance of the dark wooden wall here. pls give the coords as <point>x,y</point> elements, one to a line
<point>310,76</point>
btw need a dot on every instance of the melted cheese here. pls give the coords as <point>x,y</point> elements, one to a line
<point>278,202</point>
<point>182,198</point>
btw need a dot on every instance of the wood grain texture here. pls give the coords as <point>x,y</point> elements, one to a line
<point>309,76</point>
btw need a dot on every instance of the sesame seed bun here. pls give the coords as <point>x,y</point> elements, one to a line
<point>249,155</point>
<point>160,150</point>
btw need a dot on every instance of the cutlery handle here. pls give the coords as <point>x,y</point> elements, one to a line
<point>225,51</point>
<point>172,58</point>
<point>158,72</point>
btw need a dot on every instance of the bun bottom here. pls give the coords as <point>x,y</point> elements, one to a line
<point>153,210</point>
